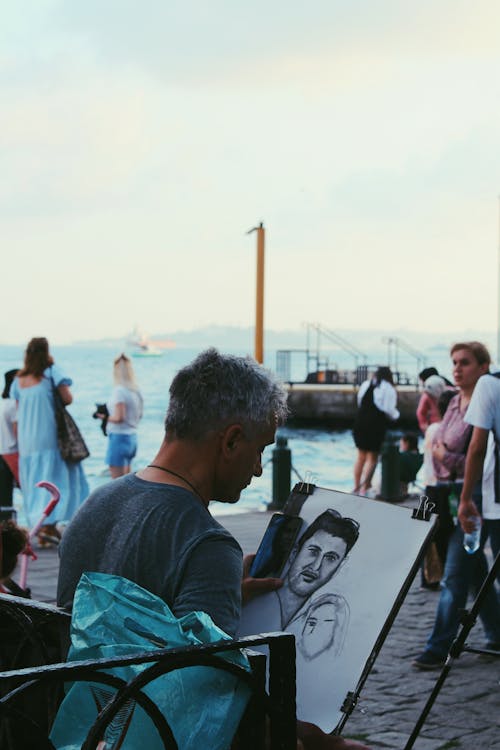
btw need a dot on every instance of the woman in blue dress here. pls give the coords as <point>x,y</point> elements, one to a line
<point>39,457</point>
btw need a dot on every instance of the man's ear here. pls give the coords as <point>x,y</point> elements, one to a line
<point>231,438</point>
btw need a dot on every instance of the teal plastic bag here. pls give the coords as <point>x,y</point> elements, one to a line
<point>113,616</point>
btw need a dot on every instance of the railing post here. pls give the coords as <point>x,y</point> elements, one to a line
<point>390,485</point>
<point>282,469</point>
<point>282,689</point>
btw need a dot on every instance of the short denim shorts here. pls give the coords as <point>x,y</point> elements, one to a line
<point>121,448</point>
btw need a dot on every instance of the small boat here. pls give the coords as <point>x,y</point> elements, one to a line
<point>142,346</point>
<point>145,350</point>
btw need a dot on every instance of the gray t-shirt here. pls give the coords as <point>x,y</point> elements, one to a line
<point>161,537</point>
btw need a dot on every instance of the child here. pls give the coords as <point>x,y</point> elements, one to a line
<point>12,541</point>
<point>410,461</point>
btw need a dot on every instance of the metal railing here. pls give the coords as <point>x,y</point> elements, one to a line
<point>31,693</point>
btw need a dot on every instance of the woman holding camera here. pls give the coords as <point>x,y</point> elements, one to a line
<point>125,412</point>
<point>377,398</point>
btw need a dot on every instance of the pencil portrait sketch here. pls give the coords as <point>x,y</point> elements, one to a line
<point>343,580</point>
<point>322,626</point>
<point>320,552</point>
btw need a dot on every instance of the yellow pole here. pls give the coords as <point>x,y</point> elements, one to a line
<point>259,306</point>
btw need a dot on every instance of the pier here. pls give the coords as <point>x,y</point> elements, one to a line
<point>323,393</point>
<point>335,405</point>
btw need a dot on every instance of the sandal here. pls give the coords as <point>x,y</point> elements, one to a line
<point>49,536</point>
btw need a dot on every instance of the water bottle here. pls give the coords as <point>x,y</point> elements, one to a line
<point>472,539</point>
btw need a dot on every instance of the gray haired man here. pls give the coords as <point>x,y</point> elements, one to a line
<point>155,528</point>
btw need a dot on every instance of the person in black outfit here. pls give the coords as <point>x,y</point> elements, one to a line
<point>377,400</point>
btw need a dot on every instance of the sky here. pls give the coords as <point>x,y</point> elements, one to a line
<point>140,141</point>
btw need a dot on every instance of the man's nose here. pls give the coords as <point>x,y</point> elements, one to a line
<point>257,469</point>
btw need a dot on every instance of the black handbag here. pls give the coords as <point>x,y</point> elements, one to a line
<point>71,444</point>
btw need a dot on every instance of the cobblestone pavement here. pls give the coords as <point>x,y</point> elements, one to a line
<point>466,714</point>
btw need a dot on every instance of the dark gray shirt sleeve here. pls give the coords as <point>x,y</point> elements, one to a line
<point>211,582</point>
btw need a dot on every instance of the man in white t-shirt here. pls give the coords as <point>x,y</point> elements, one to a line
<point>464,571</point>
<point>482,456</point>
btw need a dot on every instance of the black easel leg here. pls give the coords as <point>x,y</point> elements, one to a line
<point>456,649</point>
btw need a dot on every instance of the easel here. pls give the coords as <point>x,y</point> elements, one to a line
<point>468,621</point>
<point>424,515</point>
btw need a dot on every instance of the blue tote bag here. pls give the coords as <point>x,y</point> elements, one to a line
<point>113,616</point>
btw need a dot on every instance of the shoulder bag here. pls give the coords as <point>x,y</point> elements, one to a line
<point>69,439</point>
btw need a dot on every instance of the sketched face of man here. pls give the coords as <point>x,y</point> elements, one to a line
<point>316,562</point>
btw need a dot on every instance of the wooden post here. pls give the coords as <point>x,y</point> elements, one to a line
<point>259,301</point>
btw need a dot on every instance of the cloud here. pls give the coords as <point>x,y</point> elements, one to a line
<point>195,43</point>
<point>140,141</point>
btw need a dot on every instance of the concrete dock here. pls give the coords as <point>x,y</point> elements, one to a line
<point>335,405</point>
<point>466,714</point>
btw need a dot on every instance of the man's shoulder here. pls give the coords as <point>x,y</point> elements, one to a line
<point>126,487</point>
<point>484,407</point>
<point>488,384</point>
<point>491,378</point>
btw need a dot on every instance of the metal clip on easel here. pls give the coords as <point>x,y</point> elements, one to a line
<point>424,510</point>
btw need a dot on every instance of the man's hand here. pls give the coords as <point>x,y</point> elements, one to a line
<point>466,509</point>
<point>313,738</point>
<point>252,587</point>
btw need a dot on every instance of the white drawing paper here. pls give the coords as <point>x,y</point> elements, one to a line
<point>341,582</point>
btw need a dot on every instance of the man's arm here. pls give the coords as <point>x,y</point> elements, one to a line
<point>473,469</point>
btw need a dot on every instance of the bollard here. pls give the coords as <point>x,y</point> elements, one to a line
<point>282,469</point>
<point>390,486</point>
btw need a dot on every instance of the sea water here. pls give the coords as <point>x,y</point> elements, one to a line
<point>323,456</point>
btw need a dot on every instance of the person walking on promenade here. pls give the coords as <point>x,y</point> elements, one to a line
<point>410,461</point>
<point>155,527</point>
<point>9,456</point>
<point>433,563</point>
<point>125,411</point>
<point>427,409</point>
<point>377,399</point>
<point>39,456</point>
<point>462,570</point>
<point>427,372</point>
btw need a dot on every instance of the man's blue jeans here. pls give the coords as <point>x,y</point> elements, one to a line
<point>463,572</point>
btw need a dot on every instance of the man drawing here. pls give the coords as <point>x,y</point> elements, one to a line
<point>321,550</point>
<point>155,527</point>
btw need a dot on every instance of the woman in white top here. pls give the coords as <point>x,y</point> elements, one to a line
<point>125,412</point>
<point>377,400</point>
